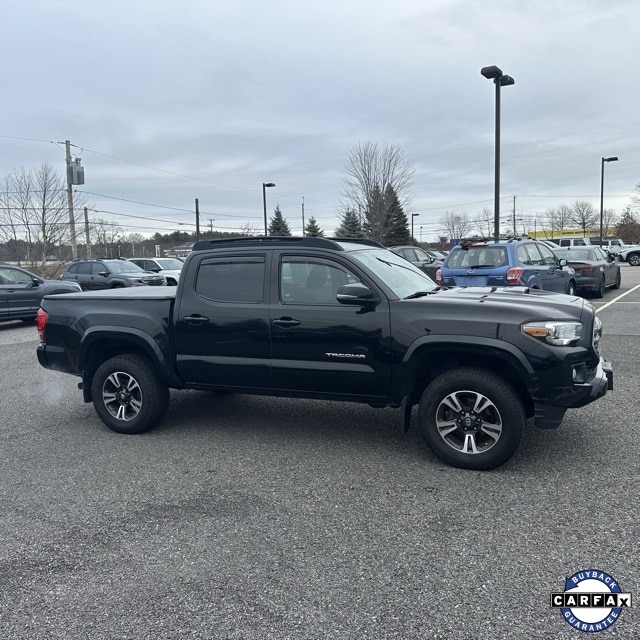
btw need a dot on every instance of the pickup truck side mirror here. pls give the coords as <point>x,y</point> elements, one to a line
<point>357,294</point>
<point>103,273</point>
<point>563,262</point>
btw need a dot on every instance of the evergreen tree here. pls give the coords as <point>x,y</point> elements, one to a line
<point>312,230</point>
<point>278,226</point>
<point>397,224</point>
<point>350,226</point>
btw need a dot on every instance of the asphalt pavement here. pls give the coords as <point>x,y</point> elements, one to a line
<point>248,518</point>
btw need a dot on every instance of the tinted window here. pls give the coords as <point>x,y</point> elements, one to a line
<point>475,257</point>
<point>232,279</point>
<point>311,282</point>
<point>13,276</point>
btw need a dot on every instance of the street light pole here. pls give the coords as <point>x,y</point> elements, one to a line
<point>611,159</point>
<point>264,202</point>
<point>413,215</point>
<point>500,80</point>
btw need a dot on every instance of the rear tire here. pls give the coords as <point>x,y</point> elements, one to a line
<point>128,395</point>
<point>634,259</point>
<point>571,290</point>
<point>471,418</point>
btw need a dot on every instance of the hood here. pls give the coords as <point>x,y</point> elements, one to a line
<point>504,304</point>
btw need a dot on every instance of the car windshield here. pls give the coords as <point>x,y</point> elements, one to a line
<point>169,263</point>
<point>122,266</point>
<point>397,273</point>
<point>487,257</point>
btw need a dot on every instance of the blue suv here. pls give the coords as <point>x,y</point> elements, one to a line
<point>512,261</point>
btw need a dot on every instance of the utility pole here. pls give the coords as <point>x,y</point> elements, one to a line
<point>303,216</point>
<point>72,222</point>
<point>197,220</point>
<point>211,226</point>
<point>514,216</point>
<point>86,232</point>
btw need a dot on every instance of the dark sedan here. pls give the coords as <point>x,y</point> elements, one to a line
<point>21,292</point>
<point>595,270</point>
<point>419,258</point>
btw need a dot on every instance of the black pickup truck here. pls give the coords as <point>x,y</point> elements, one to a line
<point>335,320</point>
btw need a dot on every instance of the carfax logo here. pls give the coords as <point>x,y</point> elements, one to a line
<point>591,601</point>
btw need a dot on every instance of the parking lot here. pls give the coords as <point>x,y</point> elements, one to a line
<point>250,518</point>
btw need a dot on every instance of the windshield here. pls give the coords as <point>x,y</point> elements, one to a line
<point>169,263</point>
<point>123,266</point>
<point>397,273</point>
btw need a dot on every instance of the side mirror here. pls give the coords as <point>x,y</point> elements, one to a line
<point>36,281</point>
<point>103,273</point>
<point>356,294</point>
<point>563,262</point>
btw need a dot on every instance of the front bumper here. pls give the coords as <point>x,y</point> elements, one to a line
<point>549,416</point>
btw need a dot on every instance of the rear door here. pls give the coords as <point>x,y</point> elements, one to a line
<point>221,322</point>
<point>320,346</point>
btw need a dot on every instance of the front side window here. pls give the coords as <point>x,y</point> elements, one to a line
<point>239,279</point>
<point>548,256</point>
<point>13,276</point>
<point>311,282</point>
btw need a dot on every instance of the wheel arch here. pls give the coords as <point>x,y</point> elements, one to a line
<point>101,344</point>
<point>428,358</point>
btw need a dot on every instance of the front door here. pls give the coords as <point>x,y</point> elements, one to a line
<point>320,346</point>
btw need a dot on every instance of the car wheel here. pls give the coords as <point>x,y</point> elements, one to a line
<point>634,259</point>
<point>616,284</point>
<point>471,418</point>
<point>128,395</point>
<point>117,285</point>
<point>571,289</point>
<point>599,292</point>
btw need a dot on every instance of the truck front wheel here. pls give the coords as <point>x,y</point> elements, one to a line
<point>471,418</point>
<point>128,394</point>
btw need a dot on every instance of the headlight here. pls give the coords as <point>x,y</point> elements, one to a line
<point>559,334</point>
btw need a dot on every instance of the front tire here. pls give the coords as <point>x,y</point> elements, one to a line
<point>600,291</point>
<point>128,395</point>
<point>471,418</point>
<point>634,259</point>
<point>618,282</point>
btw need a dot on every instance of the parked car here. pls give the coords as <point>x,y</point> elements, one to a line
<point>109,274</point>
<point>510,261</point>
<point>419,258</point>
<point>577,241</point>
<point>21,292</point>
<point>610,245</point>
<point>167,267</point>
<point>595,270</point>
<point>630,254</point>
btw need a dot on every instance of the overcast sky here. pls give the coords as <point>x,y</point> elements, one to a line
<point>166,101</point>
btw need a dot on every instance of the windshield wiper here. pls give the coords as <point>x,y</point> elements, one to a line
<point>420,294</point>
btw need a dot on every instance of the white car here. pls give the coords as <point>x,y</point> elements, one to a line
<point>168,267</point>
<point>631,255</point>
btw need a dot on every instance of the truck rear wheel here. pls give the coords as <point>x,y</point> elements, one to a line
<point>128,394</point>
<point>471,418</point>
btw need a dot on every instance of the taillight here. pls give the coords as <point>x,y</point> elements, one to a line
<point>41,323</point>
<point>439,276</point>
<point>583,269</point>
<point>513,275</point>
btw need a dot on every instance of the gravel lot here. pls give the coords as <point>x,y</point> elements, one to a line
<point>256,518</point>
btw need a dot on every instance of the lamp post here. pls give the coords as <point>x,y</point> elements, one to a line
<point>264,202</point>
<point>500,80</point>
<point>413,215</point>
<point>611,159</point>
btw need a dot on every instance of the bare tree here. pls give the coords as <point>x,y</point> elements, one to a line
<point>34,209</point>
<point>584,216</point>
<point>105,236</point>
<point>133,242</point>
<point>371,169</point>
<point>484,222</point>
<point>558,219</point>
<point>455,225</point>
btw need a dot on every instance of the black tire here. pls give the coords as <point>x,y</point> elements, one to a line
<point>128,395</point>
<point>600,291</point>
<point>457,432</point>
<point>571,289</point>
<point>618,281</point>
<point>634,259</point>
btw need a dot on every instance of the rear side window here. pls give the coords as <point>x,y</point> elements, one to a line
<point>232,279</point>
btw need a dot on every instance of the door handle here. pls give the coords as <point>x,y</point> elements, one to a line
<point>286,322</point>
<point>195,319</point>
